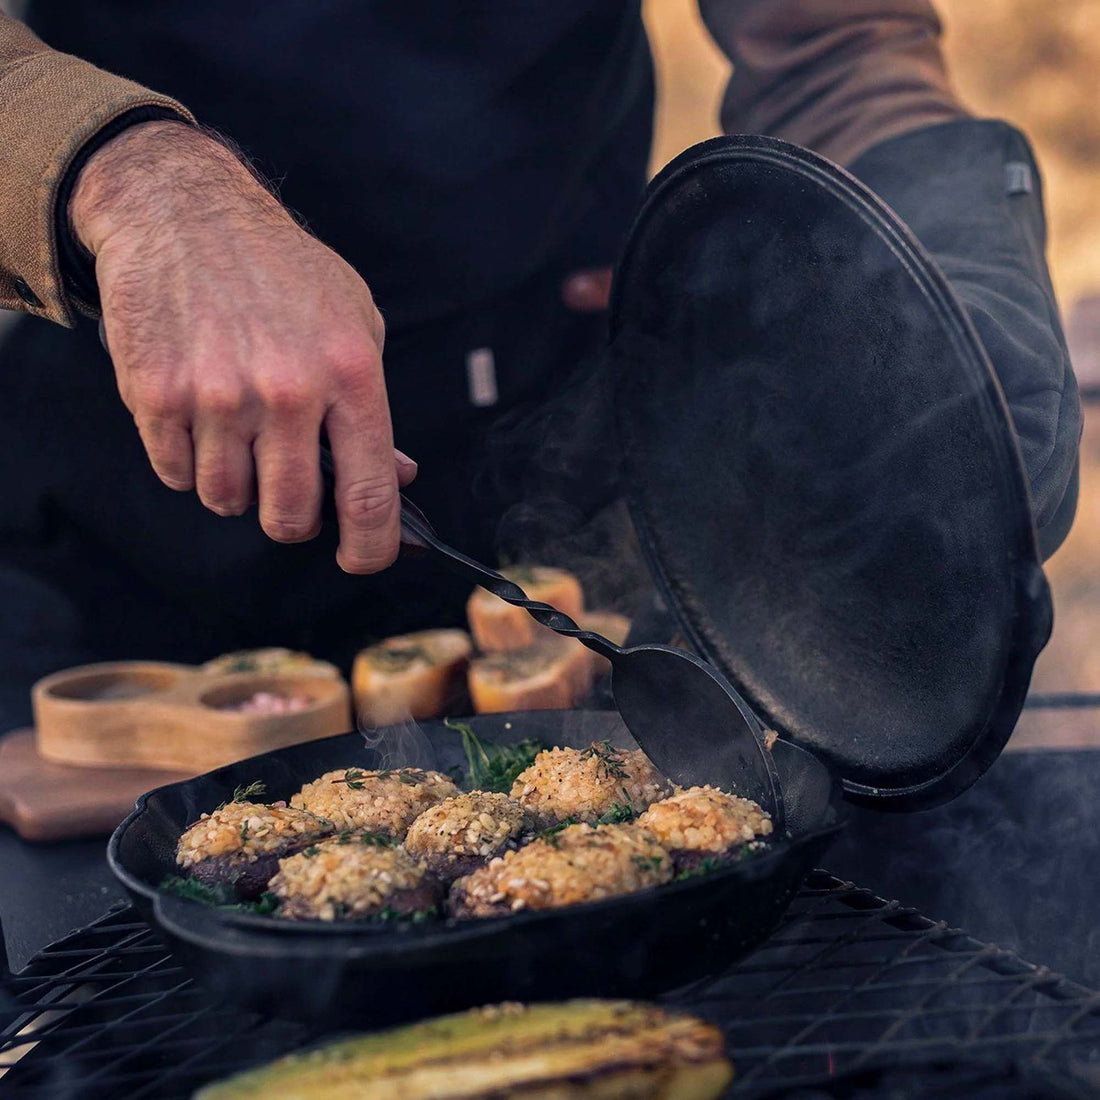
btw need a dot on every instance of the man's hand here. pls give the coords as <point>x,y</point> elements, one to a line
<point>235,337</point>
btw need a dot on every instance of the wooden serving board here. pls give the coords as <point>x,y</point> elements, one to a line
<point>42,800</point>
<point>150,714</point>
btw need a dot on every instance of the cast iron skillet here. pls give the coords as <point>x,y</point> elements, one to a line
<point>349,974</point>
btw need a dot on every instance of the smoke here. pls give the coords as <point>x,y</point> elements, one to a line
<point>553,468</point>
<point>402,745</point>
<point>1009,860</point>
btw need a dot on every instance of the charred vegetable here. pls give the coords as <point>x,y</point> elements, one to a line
<point>577,1049</point>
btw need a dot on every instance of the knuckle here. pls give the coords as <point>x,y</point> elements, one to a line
<point>221,399</point>
<point>369,503</point>
<point>157,400</point>
<point>287,395</point>
<point>354,364</point>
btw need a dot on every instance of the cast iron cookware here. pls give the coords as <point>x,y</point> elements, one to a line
<point>823,470</point>
<point>345,974</point>
<point>827,484</point>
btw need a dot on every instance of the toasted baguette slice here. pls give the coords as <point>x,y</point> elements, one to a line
<point>409,676</point>
<point>585,1050</point>
<point>611,625</point>
<point>498,625</point>
<point>273,661</point>
<point>552,674</point>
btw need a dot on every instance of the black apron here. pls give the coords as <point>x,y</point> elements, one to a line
<point>464,159</point>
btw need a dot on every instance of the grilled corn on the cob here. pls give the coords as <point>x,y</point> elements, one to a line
<point>595,1050</point>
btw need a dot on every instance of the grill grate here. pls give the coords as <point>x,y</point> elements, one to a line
<point>849,983</point>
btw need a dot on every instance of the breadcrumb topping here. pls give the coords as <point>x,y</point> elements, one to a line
<point>383,801</point>
<point>584,784</point>
<point>342,879</point>
<point>705,819</point>
<point>581,863</point>
<point>479,823</point>
<point>248,830</point>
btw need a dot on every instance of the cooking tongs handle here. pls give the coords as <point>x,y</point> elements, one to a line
<point>418,537</point>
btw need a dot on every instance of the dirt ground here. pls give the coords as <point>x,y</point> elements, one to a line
<point>1037,64</point>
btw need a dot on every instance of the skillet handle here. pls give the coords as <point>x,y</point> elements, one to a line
<point>414,524</point>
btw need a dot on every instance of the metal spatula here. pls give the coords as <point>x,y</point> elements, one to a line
<point>685,716</point>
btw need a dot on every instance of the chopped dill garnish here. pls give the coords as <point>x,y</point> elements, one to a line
<point>311,851</point>
<point>489,766</point>
<point>248,793</point>
<point>244,830</point>
<point>648,863</point>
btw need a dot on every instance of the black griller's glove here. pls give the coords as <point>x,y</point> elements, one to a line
<point>970,190</point>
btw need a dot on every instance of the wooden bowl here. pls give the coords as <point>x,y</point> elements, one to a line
<point>154,714</point>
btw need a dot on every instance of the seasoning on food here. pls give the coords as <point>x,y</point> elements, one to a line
<point>584,784</point>
<point>388,801</point>
<point>581,863</point>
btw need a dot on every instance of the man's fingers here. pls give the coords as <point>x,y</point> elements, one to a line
<point>170,450</point>
<point>223,471</point>
<point>367,502</point>
<point>288,475</point>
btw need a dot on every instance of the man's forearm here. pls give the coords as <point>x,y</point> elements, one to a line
<point>53,104</point>
<point>836,76</point>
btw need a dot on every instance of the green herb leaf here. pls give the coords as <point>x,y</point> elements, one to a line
<point>493,767</point>
<point>620,813</point>
<point>249,793</point>
<point>610,759</point>
<point>354,777</point>
<point>221,896</point>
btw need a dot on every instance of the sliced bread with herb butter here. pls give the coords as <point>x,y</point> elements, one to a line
<point>497,625</point>
<point>409,676</point>
<point>553,673</point>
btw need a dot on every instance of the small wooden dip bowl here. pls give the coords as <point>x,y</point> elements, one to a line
<point>159,715</point>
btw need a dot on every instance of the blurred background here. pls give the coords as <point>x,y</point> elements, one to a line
<point>1035,63</point>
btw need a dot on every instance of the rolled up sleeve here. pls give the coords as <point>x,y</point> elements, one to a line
<point>51,105</point>
<point>836,76</point>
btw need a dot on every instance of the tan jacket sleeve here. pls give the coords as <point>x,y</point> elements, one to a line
<point>836,76</point>
<point>50,105</point>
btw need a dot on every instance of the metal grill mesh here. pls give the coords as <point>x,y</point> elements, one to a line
<point>849,983</point>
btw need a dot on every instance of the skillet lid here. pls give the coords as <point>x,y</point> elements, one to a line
<point>823,471</point>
